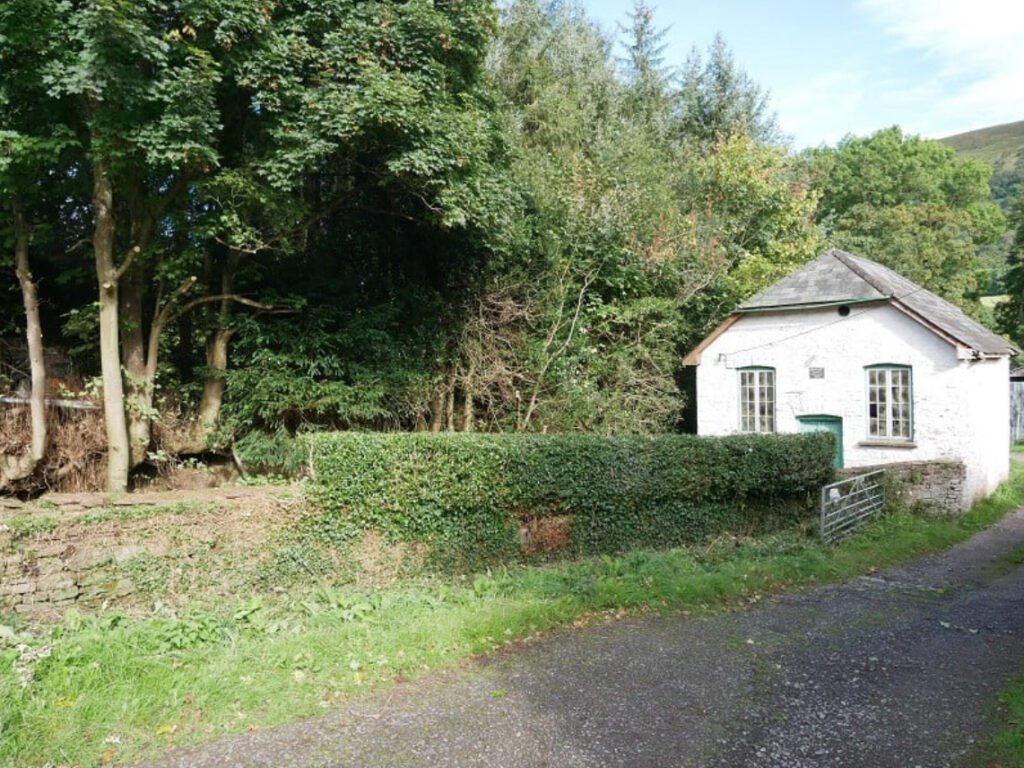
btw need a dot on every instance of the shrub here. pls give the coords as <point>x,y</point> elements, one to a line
<point>275,453</point>
<point>468,495</point>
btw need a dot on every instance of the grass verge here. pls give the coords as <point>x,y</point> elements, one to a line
<point>102,690</point>
<point>1006,748</point>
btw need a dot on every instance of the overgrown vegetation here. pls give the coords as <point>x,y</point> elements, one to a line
<point>401,217</point>
<point>468,497</point>
<point>110,688</point>
<point>24,526</point>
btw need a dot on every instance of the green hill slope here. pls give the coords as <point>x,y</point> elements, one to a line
<point>997,144</point>
<point>1002,146</point>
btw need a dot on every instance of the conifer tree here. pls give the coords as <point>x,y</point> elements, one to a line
<point>718,100</point>
<point>648,77</point>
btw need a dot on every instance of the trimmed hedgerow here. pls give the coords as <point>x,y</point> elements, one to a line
<point>466,495</point>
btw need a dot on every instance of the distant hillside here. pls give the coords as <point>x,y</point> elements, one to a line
<point>999,145</point>
<point>1003,147</point>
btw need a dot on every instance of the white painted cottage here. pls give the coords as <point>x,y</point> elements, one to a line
<point>845,344</point>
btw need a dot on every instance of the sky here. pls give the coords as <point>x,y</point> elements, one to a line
<point>832,67</point>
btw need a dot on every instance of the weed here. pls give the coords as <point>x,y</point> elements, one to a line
<point>191,632</point>
<point>26,526</point>
<point>148,573</point>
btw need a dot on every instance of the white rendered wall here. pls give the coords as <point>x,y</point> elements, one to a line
<point>960,407</point>
<point>987,443</point>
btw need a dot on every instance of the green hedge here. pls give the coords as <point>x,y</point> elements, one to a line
<point>466,495</point>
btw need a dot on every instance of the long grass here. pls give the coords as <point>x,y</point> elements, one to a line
<point>106,689</point>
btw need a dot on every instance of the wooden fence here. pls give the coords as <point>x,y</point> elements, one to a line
<point>1016,411</point>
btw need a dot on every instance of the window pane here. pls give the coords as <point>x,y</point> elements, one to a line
<point>757,401</point>
<point>768,401</point>
<point>889,403</point>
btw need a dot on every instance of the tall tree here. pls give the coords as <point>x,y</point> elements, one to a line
<point>32,139</point>
<point>144,85</point>
<point>911,204</point>
<point>1010,314</point>
<point>649,78</point>
<point>718,100</point>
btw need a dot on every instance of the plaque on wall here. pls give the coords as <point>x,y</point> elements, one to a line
<point>817,373</point>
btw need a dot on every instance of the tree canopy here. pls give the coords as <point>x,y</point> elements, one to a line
<point>911,204</point>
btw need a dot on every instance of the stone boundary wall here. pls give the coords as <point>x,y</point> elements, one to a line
<point>48,575</point>
<point>52,559</point>
<point>939,486</point>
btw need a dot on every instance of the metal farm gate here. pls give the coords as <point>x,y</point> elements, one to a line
<point>846,505</point>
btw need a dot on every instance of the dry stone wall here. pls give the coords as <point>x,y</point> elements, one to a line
<point>80,553</point>
<point>934,485</point>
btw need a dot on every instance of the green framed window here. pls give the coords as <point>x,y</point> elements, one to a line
<point>757,399</point>
<point>890,412</point>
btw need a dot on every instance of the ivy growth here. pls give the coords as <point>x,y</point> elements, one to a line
<point>466,496</point>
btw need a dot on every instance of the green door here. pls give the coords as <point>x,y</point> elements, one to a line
<point>833,424</point>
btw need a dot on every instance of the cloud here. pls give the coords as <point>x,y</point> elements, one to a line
<point>976,51</point>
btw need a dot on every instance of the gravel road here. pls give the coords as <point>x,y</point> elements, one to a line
<point>901,669</point>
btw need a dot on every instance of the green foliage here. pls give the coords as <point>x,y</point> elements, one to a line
<point>889,168</point>
<point>911,204</point>
<point>1006,183</point>
<point>1006,747</point>
<point>647,75</point>
<point>642,235</point>
<point>755,216</point>
<point>334,366</point>
<point>1010,314</point>
<point>270,453</point>
<point>467,495</point>
<point>719,101</point>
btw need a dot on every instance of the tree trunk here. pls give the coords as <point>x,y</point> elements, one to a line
<point>182,352</point>
<point>16,468</point>
<point>217,351</point>
<point>118,450</point>
<point>138,386</point>
<point>437,410</point>
<point>467,403</point>
<point>450,404</point>
<point>213,386</point>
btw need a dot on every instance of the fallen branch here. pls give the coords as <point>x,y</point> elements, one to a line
<point>52,402</point>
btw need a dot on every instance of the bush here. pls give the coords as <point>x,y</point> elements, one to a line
<point>468,495</point>
<point>275,453</point>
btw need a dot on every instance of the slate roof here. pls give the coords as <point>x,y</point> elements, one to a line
<point>838,277</point>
